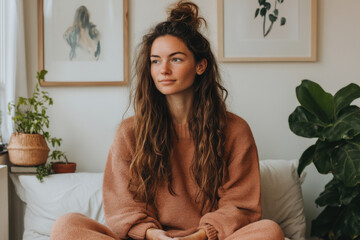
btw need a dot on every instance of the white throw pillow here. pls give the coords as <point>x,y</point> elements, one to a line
<point>82,192</point>
<point>281,196</point>
<point>57,195</point>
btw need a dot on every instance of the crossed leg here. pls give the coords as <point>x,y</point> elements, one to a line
<point>75,226</point>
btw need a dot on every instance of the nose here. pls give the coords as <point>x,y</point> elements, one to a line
<point>165,68</point>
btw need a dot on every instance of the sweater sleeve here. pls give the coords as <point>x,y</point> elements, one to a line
<point>239,202</point>
<point>126,217</point>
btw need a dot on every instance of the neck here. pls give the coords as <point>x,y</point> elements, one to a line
<point>180,106</point>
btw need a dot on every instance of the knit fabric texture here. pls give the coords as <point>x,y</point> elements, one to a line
<point>180,214</point>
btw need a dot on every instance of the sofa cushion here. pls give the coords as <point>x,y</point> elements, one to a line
<point>57,195</point>
<point>281,196</point>
<point>81,192</point>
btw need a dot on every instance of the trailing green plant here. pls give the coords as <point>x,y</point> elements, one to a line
<point>57,155</point>
<point>43,171</point>
<point>336,125</point>
<point>264,11</point>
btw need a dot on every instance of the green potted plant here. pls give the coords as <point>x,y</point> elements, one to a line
<point>27,146</point>
<point>59,161</point>
<point>335,123</point>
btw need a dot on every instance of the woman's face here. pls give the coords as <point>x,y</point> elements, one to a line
<point>173,66</point>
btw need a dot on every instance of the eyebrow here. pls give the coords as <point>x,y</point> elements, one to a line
<point>172,54</point>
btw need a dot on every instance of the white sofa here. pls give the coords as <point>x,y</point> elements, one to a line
<point>43,203</point>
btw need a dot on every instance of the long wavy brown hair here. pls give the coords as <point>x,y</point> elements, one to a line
<point>151,164</point>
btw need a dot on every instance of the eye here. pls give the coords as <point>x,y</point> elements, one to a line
<point>154,61</point>
<point>176,60</point>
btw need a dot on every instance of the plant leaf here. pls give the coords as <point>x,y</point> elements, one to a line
<point>304,123</point>
<point>272,18</point>
<point>262,2</point>
<point>347,195</point>
<point>41,74</point>
<point>346,125</point>
<point>330,196</point>
<point>323,224</point>
<point>312,97</point>
<point>306,158</point>
<point>347,224</point>
<point>346,162</point>
<point>263,11</point>
<point>322,157</point>
<point>267,5</point>
<point>257,12</point>
<point>345,96</point>
<point>282,21</point>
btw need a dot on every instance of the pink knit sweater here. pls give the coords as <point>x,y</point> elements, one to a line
<point>180,214</point>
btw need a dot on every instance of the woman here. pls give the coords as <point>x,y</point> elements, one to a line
<point>83,37</point>
<point>182,167</point>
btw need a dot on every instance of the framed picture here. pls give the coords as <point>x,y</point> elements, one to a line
<point>267,30</point>
<point>83,42</point>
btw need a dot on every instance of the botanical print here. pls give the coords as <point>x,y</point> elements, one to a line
<point>264,10</point>
<point>83,37</point>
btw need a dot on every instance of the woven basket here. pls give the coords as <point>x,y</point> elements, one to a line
<point>27,149</point>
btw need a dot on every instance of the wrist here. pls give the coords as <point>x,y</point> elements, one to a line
<point>202,234</point>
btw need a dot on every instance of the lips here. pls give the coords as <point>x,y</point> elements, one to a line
<point>167,81</point>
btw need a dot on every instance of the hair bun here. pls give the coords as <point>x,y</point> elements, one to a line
<point>187,12</point>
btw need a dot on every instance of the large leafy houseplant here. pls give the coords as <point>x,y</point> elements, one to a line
<point>336,125</point>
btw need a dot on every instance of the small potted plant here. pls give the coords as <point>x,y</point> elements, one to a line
<point>59,161</point>
<point>336,125</point>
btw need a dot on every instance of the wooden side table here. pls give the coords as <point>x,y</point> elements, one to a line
<point>4,204</point>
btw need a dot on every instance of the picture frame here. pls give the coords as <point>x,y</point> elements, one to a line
<point>242,31</point>
<point>83,42</point>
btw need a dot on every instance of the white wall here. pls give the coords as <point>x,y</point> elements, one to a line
<point>262,93</point>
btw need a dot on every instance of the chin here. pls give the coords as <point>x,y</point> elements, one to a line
<point>167,93</point>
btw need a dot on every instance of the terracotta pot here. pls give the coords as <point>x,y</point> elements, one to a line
<point>64,167</point>
<point>27,149</point>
